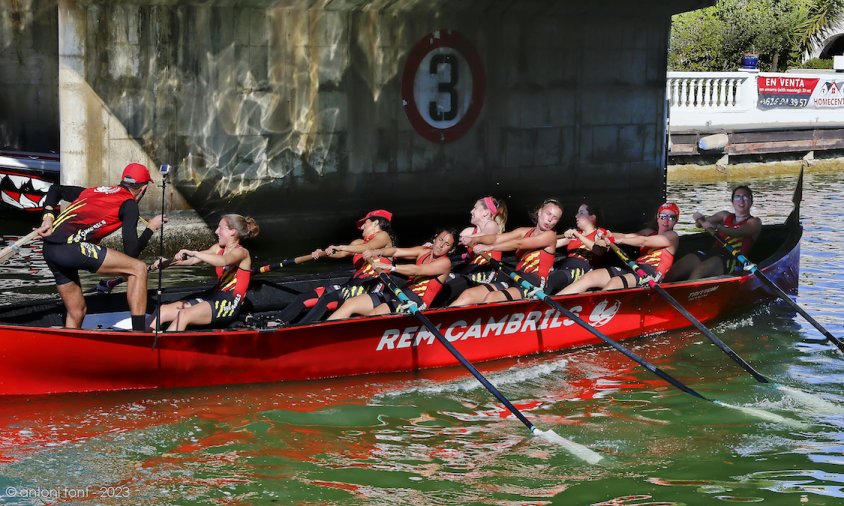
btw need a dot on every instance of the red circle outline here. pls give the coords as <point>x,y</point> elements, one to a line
<point>450,39</point>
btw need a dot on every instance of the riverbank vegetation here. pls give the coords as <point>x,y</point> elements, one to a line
<point>780,32</point>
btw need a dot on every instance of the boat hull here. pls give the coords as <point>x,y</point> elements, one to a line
<point>53,360</point>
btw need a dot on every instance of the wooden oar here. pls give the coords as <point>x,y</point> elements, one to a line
<point>539,294</point>
<point>15,247</point>
<point>751,268</point>
<point>107,285</point>
<point>632,265</point>
<point>284,263</point>
<point>575,448</point>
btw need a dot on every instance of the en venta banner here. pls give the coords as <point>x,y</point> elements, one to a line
<point>785,92</point>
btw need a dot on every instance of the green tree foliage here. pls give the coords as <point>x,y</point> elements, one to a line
<point>779,31</point>
<point>821,16</point>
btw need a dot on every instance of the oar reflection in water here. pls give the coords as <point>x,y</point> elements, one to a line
<point>575,449</point>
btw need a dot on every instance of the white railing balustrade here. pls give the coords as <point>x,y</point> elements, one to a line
<point>716,101</point>
<point>706,90</point>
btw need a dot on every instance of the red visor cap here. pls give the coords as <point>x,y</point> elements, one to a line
<point>378,213</point>
<point>136,173</point>
<point>671,207</point>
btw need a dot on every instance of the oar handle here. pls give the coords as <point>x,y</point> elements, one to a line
<point>284,263</point>
<point>748,265</point>
<point>635,267</point>
<point>15,246</point>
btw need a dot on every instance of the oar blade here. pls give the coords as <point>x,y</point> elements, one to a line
<point>576,449</point>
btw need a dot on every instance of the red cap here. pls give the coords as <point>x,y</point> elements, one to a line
<point>378,213</point>
<point>136,173</point>
<point>669,206</point>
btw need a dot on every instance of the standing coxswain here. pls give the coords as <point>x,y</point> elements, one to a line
<point>71,240</point>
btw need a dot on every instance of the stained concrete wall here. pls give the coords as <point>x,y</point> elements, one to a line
<point>29,102</point>
<point>291,111</point>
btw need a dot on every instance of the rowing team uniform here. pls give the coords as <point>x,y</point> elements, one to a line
<point>328,298</point>
<point>654,261</point>
<point>533,265</point>
<point>474,271</point>
<point>227,296</point>
<point>578,261</point>
<point>93,214</point>
<point>420,289</point>
<point>740,244</point>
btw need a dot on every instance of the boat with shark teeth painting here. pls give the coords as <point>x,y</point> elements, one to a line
<point>25,179</point>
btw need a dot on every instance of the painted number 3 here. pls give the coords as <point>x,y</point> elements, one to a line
<point>446,68</point>
<point>442,86</point>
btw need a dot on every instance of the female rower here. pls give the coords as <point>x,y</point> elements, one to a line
<point>655,258</point>
<point>534,246</point>
<point>739,229</point>
<point>488,217</point>
<point>376,233</point>
<point>234,270</point>
<point>427,275</point>
<point>582,254</point>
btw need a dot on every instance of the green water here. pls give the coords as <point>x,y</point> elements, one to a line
<point>440,438</point>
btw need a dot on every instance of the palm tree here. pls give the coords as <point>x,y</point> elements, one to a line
<point>822,16</point>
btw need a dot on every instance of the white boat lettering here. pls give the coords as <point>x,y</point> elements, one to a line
<point>450,333</point>
<point>567,322</point>
<point>530,321</point>
<point>474,329</point>
<point>388,339</point>
<point>514,324</point>
<point>423,334</point>
<point>494,326</point>
<point>699,294</point>
<point>604,312</point>
<point>549,313</point>
<point>480,328</point>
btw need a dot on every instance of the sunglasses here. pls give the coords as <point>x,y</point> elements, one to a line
<point>666,216</point>
<point>742,197</point>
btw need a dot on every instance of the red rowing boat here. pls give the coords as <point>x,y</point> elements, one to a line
<point>39,358</point>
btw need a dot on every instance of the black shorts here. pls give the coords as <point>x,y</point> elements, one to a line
<point>568,271</point>
<point>225,306</point>
<point>65,260</point>
<point>730,264</point>
<point>621,271</point>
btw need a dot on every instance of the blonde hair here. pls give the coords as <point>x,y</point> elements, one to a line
<point>245,226</point>
<point>500,214</point>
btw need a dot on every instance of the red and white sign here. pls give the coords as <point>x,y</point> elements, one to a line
<point>800,92</point>
<point>443,86</point>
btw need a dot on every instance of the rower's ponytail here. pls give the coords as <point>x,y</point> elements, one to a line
<point>385,226</point>
<point>500,216</point>
<point>245,226</point>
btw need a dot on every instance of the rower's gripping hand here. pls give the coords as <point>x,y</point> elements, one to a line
<point>606,238</point>
<point>481,248</point>
<point>46,227</point>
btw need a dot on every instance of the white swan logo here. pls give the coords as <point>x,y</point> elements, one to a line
<point>604,312</point>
